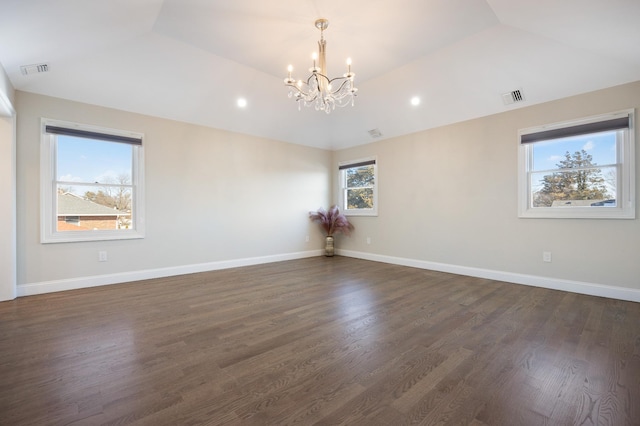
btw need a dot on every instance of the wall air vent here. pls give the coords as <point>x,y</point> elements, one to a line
<point>34,69</point>
<point>513,97</point>
<point>375,133</point>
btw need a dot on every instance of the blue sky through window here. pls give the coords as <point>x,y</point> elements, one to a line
<point>91,161</point>
<point>601,146</point>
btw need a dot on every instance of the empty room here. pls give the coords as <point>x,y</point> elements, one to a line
<point>319,212</point>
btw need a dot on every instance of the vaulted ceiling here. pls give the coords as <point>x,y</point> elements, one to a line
<point>190,60</point>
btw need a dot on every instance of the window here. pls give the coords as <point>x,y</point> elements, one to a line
<point>359,195</point>
<point>578,169</point>
<point>91,183</point>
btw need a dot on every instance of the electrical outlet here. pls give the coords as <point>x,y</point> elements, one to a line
<point>307,238</point>
<point>546,256</point>
<point>368,240</point>
<point>102,256</point>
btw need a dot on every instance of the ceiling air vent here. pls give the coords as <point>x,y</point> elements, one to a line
<point>375,133</point>
<point>34,69</point>
<point>513,97</point>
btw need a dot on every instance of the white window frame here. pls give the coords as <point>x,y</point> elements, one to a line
<point>342,178</point>
<point>625,196</point>
<point>48,187</point>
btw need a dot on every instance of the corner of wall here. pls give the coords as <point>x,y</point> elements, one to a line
<point>8,168</point>
<point>7,94</point>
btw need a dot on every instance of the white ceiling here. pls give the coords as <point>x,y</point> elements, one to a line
<point>190,60</point>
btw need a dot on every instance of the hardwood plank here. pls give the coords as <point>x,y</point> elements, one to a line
<point>429,381</point>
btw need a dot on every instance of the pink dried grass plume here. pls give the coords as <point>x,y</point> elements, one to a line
<point>332,221</point>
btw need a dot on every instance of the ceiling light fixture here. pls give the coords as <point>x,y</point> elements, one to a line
<point>319,90</point>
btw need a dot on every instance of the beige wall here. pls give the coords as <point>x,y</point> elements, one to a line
<point>211,196</point>
<point>448,201</point>
<point>448,197</point>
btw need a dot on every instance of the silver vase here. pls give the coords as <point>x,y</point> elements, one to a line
<point>328,246</point>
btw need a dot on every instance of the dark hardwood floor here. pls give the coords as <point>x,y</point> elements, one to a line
<point>329,341</point>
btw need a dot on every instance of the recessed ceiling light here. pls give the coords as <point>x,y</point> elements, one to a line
<point>415,101</point>
<point>242,102</point>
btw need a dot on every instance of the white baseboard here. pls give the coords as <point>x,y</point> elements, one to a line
<point>98,280</point>
<point>592,289</point>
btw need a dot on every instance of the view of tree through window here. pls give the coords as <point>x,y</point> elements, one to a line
<point>579,171</point>
<point>359,185</point>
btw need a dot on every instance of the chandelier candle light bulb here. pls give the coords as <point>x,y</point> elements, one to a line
<point>319,90</point>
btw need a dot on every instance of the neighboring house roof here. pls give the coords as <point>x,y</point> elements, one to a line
<point>72,205</point>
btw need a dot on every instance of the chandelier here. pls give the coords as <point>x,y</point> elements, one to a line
<point>318,89</point>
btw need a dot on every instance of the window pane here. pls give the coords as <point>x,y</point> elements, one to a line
<point>591,187</point>
<point>93,161</point>
<point>588,176</point>
<point>91,184</point>
<point>594,149</point>
<point>358,187</point>
<point>360,176</point>
<point>89,208</point>
<point>360,198</point>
